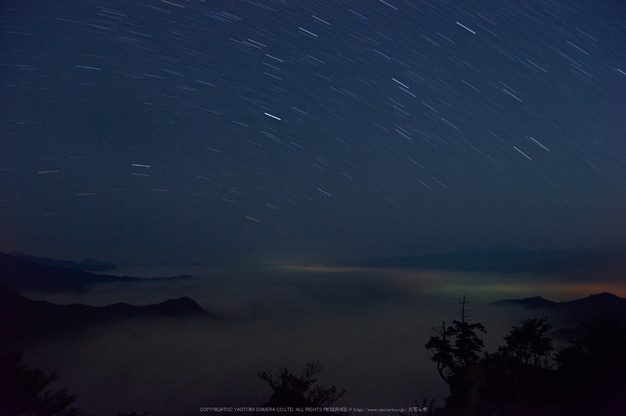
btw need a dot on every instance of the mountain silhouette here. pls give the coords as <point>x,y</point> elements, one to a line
<point>608,261</point>
<point>24,274</point>
<point>86,265</point>
<point>573,311</point>
<point>534,302</point>
<point>26,320</point>
<point>601,304</point>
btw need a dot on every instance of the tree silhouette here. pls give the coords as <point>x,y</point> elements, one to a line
<point>299,391</point>
<point>24,391</point>
<point>442,351</point>
<point>456,346</point>
<point>529,342</point>
<point>504,383</point>
<point>517,380</point>
<point>467,343</point>
<point>592,370</point>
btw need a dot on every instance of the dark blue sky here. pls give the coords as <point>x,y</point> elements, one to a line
<point>305,132</point>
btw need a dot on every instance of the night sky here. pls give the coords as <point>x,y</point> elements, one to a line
<point>301,143</point>
<point>309,132</point>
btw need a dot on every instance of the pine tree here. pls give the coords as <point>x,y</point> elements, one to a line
<point>457,346</point>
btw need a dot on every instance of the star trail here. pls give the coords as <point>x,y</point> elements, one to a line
<point>184,132</point>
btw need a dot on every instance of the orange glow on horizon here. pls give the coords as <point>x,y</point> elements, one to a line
<point>485,286</point>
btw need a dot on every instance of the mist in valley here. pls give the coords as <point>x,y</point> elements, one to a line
<point>368,327</point>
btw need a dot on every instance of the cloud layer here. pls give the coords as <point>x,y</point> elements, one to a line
<point>368,327</point>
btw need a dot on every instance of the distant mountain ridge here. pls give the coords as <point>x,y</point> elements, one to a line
<point>602,303</point>
<point>609,260</point>
<point>23,274</point>
<point>587,309</point>
<point>86,265</point>
<point>530,303</point>
<point>23,319</point>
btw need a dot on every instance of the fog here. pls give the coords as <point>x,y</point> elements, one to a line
<point>368,327</point>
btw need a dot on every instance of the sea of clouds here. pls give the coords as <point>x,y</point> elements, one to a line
<point>368,327</point>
